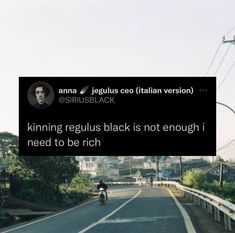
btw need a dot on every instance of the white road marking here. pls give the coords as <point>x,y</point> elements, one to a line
<point>188,223</point>
<point>48,217</point>
<point>138,219</point>
<point>107,216</point>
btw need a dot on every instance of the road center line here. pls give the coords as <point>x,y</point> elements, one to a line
<point>187,221</point>
<point>107,216</point>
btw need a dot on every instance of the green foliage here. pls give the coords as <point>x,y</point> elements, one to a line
<point>11,138</point>
<point>194,179</point>
<point>52,179</point>
<point>212,187</point>
<point>80,183</point>
<point>30,190</point>
<point>51,171</point>
<point>229,191</point>
<point>16,166</point>
<point>197,179</point>
<point>76,191</point>
<point>9,144</point>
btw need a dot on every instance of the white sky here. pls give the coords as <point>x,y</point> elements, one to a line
<point>115,37</point>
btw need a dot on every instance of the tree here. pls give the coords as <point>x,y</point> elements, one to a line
<point>9,144</point>
<point>194,178</point>
<point>51,171</point>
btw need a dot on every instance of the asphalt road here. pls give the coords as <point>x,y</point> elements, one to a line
<point>144,210</point>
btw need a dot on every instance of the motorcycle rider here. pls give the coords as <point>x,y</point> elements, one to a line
<point>104,186</point>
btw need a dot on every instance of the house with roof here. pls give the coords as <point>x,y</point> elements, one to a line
<point>163,161</point>
<point>98,166</point>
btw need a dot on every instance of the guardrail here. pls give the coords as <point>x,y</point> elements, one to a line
<point>212,204</point>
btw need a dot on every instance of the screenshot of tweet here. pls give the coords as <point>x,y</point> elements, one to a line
<point>68,116</point>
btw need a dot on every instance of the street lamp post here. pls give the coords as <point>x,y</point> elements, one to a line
<point>229,41</point>
<point>225,105</point>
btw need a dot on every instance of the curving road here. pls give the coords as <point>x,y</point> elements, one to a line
<point>129,210</point>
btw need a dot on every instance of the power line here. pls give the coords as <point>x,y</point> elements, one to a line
<point>213,58</point>
<point>233,27</point>
<point>222,59</point>
<point>210,168</point>
<point>230,30</point>
<point>228,72</point>
<point>230,166</point>
<point>228,149</point>
<point>227,145</point>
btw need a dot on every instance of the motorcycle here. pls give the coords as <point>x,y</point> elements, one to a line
<point>102,196</point>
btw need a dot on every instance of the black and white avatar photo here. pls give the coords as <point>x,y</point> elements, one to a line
<point>40,95</point>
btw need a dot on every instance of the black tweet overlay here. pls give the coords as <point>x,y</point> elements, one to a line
<point>61,116</point>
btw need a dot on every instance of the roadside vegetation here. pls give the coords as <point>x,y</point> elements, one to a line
<point>53,181</point>
<point>198,179</point>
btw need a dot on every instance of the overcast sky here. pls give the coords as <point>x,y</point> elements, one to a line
<point>116,37</point>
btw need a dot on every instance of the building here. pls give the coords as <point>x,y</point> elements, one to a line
<point>163,161</point>
<point>98,166</point>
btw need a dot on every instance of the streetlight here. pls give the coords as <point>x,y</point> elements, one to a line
<point>224,42</point>
<point>229,41</point>
<point>225,105</point>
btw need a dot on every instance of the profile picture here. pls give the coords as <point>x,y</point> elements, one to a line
<point>40,95</point>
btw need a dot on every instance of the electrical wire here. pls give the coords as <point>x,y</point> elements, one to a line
<point>226,75</point>
<point>227,150</point>
<point>230,166</point>
<point>228,144</point>
<point>230,30</point>
<point>233,27</point>
<point>228,72</point>
<point>222,59</point>
<point>217,50</point>
<point>210,168</point>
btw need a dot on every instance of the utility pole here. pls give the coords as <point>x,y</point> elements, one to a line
<point>130,169</point>
<point>157,167</point>
<point>221,173</point>
<point>221,176</point>
<point>181,169</point>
